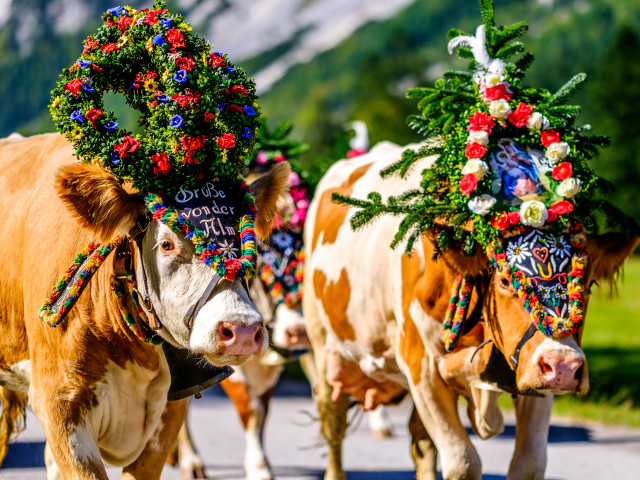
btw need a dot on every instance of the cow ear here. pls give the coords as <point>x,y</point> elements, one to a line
<point>607,253</point>
<point>97,200</point>
<point>266,190</point>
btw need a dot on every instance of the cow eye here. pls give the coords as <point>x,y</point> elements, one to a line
<point>167,246</point>
<point>504,283</point>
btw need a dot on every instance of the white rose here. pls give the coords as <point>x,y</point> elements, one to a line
<point>475,166</point>
<point>557,151</point>
<point>481,205</point>
<point>533,213</point>
<point>492,79</point>
<point>569,187</point>
<point>537,121</point>
<point>478,136</point>
<point>500,109</point>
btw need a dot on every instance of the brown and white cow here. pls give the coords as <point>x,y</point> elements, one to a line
<point>99,391</point>
<point>374,318</point>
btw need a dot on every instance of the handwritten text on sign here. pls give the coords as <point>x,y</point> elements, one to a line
<point>213,208</point>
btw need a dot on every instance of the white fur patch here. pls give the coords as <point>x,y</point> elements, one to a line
<point>18,377</point>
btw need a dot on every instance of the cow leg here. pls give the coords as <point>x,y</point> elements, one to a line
<point>423,451</point>
<point>251,409</point>
<point>532,430</point>
<point>186,455</point>
<point>53,473</point>
<point>148,466</point>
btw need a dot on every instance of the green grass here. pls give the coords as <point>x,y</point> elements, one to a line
<point>611,343</point>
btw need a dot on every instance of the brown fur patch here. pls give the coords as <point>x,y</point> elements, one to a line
<point>97,200</point>
<point>330,216</point>
<point>267,190</point>
<point>607,254</point>
<point>240,395</point>
<point>335,300</point>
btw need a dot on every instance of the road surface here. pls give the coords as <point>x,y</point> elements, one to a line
<point>296,453</point>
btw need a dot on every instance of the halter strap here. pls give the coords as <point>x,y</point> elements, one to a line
<point>515,358</point>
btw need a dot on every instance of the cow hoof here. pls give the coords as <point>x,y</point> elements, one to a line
<point>382,434</point>
<point>192,473</point>
<point>260,475</point>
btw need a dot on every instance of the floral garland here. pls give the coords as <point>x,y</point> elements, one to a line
<point>281,291</point>
<point>456,311</point>
<point>198,108</point>
<point>80,272</point>
<point>209,251</point>
<point>146,335</point>
<point>548,324</point>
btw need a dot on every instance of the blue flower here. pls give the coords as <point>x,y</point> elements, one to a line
<point>231,71</point>
<point>158,40</point>
<point>110,126</point>
<point>87,88</point>
<point>166,23</point>
<point>176,121</point>
<point>77,115</point>
<point>221,106</point>
<point>247,133</point>
<point>249,110</point>
<point>180,76</point>
<point>163,98</point>
<point>117,11</point>
<point>84,63</point>
<point>115,157</point>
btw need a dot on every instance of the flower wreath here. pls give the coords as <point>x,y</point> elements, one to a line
<point>198,109</point>
<point>510,161</point>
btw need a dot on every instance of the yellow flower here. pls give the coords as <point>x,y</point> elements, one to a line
<point>122,41</point>
<point>151,105</point>
<point>204,59</point>
<point>185,26</point>
<point>149,45</point>
<point>174,147</point>
<point>224,156</point>
<point>77,132</point>
<point>165,74</point>
<point>56,102</point>
<point>150,85</point>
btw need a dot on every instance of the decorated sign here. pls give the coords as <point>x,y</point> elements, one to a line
<point>512,176</point>
<point>281,267</point>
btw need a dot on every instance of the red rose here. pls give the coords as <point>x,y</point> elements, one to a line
<point>520,116</point>
<point>127,147</point>
<point>124,23</point>
<point>174,35</point>
<point>475,150</point>
<point>500,221</point>
<point>185,63</point>
<point>468,183</point>
<point>216,60</point>
<point>151,19</point>
<point>161,163</point>
<point>552,216</point>
<point>208,116</point>
<point>74,86</point>
<point>193,143</point>
<point>481,121</point>
<point>496,93</point>
<point>561,208</point>
<point>226,141</point>
<point>562,171</point>
<point>92,115</point>
<point>234,108</point>
<point>151,74</point>
<point>549,136</point>
<point>513,217</point>
<point>237,89</point>
<point>108,48</point>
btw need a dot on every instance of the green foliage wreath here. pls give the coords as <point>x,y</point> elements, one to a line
<point>198,108</point>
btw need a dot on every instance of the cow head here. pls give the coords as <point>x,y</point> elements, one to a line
<point>227,329</point>
<point>551,362</point>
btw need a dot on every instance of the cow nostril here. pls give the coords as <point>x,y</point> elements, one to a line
<point>225,333</point>
<point>545,367</point>
<point>259,337</point>
<point>579,373</point>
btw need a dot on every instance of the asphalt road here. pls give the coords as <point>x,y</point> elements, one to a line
<point>293,446</point>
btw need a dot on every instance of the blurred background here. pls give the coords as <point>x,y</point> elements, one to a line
<point>324,63</point>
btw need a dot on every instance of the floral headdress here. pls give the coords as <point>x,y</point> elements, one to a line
<point>197,107</point>
<point>512,175</point>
